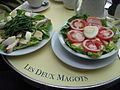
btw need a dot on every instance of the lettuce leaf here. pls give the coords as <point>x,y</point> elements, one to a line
<point>94,55</point>
<point>64,30</point>
<point>110,47</point>
<point>32,42</point>
<point>77,16</point>
<point>44,28</point>
<point>115,38</point>
<point>39,17</point>
<point>104,22</point>
<point>2,47</point>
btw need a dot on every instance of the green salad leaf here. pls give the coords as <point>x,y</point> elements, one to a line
<point>39,17</point>
<point>94,55</point>
<point>33,41</point>
<point>110,47</point>
<point>2,47</point>
<point>45,27</point>
<point>65,29</point>
<point>77,16</point>
<point>116,38</point>
<point>104,22</point>
<point>68,43</point>
<point>114,29</point>
<point>78,49</point>
<point>20,12</point>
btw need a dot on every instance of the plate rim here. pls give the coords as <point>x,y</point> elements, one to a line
<point>64,61</point>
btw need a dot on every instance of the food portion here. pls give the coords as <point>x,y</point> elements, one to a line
<point>90,35</point>
<point>23,29</point>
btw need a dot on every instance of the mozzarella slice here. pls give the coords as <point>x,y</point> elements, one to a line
<point>91,31</point>
<point>29,14</point>
<point>28,35</point>
<point>23,42</point>
<point>38,35</point>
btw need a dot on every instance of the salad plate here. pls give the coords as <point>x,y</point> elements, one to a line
<point>97,39</point>
<point>29,49</point>
<point>33,47</point>
<point>61,39</point>
<point>75,61</point>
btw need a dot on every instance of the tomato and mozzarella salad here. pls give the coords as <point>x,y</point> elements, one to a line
<point>90,35</point>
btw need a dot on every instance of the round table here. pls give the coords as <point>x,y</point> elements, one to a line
<point>44,67</point>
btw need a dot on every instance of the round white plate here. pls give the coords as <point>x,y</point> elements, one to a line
<point>31,48</point>
<point>61,39</point>
<point>27,7</point>
<point>75,61</point>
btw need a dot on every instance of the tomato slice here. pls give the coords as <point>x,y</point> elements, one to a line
<point>78,24</point>
<point>105,33</point>
<point>94,21</point>
<point>75,36</point>
<point>93,45</point>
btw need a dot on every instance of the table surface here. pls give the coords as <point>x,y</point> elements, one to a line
<point>37,60</point>
<point>16,82</point>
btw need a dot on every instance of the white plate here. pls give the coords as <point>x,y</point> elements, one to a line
<point>27,7</point>
<point>61,39</point>
<point>75,61</point>
<point>31,48</point>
